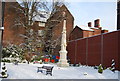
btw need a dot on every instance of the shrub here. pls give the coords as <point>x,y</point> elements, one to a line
<point>6,60</point>
<point>100,69</point>
<point>104,68</point>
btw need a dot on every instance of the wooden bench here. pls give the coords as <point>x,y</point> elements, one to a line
<point>47,69</point>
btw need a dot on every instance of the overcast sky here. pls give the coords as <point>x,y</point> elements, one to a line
<point>85,12</point>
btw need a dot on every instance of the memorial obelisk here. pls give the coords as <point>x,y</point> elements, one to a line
<point>63,52</point>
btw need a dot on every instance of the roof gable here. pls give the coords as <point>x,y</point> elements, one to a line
<point>63,6</point>
<point>76,27</point>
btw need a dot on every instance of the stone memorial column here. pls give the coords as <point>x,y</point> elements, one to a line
<point>63,52</point>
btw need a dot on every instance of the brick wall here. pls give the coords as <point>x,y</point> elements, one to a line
<point>97,31</point>
<point>100,49</point>
<point>87,33</point>
<point>11,32</point>
<point>110,48</point>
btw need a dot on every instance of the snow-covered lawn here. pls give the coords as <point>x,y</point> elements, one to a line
<point>29,71</point>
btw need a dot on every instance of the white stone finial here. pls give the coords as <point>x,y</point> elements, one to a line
<point>64,14</point>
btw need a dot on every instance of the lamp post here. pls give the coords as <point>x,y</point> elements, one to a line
<point>1,25</point>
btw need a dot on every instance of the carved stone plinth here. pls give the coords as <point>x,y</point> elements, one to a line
<point>63,60</point>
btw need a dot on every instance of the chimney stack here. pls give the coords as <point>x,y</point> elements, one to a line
<point>104,31</point>
<point>97,23</point>
<point>89,24</point>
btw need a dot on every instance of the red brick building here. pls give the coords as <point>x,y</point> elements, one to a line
<point>12,33</point>
<point>87,31</point>
<point>57,28</point>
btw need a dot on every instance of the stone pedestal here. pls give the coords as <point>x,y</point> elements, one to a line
<point>63,60</point>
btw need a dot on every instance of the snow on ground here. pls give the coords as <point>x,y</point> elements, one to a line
<point>29,71</point>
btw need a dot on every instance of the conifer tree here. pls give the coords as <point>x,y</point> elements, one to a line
<point>100,69</point>
<point>4,71</point>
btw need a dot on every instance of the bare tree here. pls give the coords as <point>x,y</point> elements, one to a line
<point>56,17</point>
<point>28,10</point>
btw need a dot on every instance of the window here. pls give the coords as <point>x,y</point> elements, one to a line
<point>41,24</point>
<point>31,31</point>
<point>40,32</point>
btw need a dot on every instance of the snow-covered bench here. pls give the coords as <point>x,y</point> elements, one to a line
<point>47,69</point>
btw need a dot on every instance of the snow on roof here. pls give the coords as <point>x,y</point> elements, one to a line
<point>94,27</point>
<point>85,28</point>
<point>41,16</point>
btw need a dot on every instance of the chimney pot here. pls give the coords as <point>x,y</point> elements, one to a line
<point>97,23</point>
<point>89,24</point>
